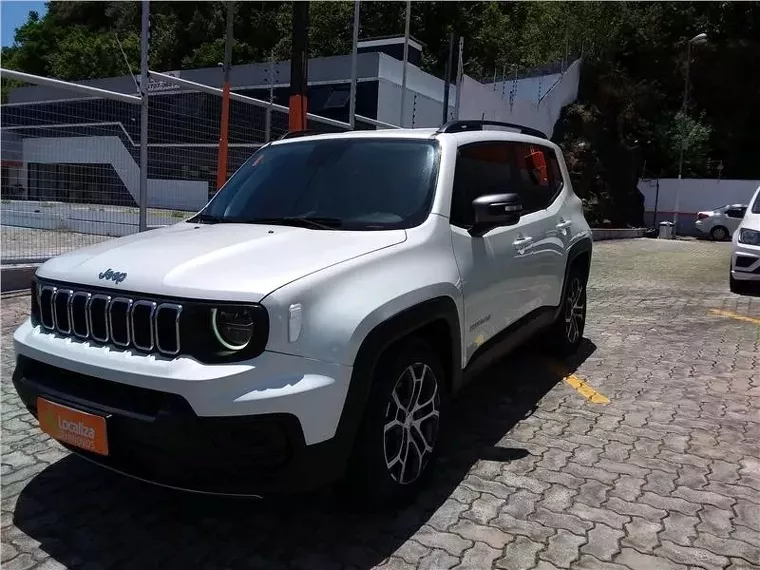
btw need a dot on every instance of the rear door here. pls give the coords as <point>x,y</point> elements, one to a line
<point>540,184</point>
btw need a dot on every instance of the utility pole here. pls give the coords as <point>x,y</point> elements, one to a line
<point>354,62</point>
<point>268,116</point>
<point>460,76</point>
<point>696,40</point>
<point>447,80</point>
<point>221,164</point>
<point>406,57</point>
<point>298,67</point>
<point>144,43</point>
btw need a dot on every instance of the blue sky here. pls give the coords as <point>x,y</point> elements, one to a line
<point>13,14</point>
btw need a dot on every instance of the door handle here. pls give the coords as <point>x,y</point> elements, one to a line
<point>522,243</point>
<point>564,224</point>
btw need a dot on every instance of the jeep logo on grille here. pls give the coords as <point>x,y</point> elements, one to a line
<point>115,276</point>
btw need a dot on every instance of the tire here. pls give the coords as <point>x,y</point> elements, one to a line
<point>718,233</point>
<point>566,334</point>
<point>392,455</point>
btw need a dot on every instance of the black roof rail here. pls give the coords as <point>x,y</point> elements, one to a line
<point>458,126</point>
<point>294,134</point>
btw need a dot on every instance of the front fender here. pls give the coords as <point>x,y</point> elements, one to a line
<point>343,303</point>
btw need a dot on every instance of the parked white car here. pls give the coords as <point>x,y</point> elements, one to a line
<point>721,223</point>
<point>311,323</point>
<point>745,250</point>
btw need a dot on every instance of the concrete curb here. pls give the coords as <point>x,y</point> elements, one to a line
<point>599,234</point>
<point>16,277</point>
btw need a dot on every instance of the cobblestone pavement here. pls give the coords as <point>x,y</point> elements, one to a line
<point>533,475</point>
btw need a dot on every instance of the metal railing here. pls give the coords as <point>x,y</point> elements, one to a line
<point>71,157</point>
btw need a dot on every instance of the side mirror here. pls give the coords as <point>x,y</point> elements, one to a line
<point>495,210</point>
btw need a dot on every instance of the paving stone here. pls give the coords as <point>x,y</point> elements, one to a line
<point>527,528</point>
<point>633,559</point>
<point>594,514</point>
<point>412,551</point>
<point>520,554</point>
<point>747,514</point>
<point>603,542</point>
<point>557,498</point>
<point>478,557</point>
<point>23,561</point>
<point>641,534</point>
<point>587,562</point>
<point>670,503</point>
<point>451,543</point>
<point>521,504</point>
<point>660,482</point>
<point>729,547</point>
<point>438,560</point>
<point>593,493</point>
<point>679,528</point>
<point>493,487</point>
<point>686,555</point>
<point>715,521</point>
<point>563,548</point>
<point>447,514</point>
<point>635,509</point>
<point>494,537</point>
<point>486,507</point>
<point>703,497</point>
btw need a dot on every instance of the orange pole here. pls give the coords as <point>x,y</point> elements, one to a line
<point>221,166</point>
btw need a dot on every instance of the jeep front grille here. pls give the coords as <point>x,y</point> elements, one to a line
<point>114,320</point>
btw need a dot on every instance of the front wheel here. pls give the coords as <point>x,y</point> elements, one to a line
<point>566,333</point>
<point>398,440</point>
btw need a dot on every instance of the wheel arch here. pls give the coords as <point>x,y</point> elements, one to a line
<point>436,319</point>
<point>579,255</point>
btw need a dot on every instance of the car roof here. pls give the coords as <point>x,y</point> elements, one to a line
<point>423,134</point>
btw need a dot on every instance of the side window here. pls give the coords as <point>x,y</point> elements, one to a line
<point>538,176</point>
<point>736,212</point>
<point>481,168</point>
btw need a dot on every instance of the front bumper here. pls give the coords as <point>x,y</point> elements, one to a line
<point>745,262</point>
<point>156,437</point>
<point>259,428</point>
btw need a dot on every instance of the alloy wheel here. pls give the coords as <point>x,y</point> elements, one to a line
<point>574,310</point>
<point>411,423</point>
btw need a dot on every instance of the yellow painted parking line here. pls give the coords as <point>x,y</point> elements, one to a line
<point>586,390</point>
<point>736,316</point>
<point>581,386</point>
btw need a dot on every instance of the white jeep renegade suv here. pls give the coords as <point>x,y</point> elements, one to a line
<point>312,322</point>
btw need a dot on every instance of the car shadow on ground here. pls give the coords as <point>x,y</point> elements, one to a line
<point>85,516</point>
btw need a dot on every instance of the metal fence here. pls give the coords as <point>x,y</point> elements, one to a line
<point>71,157</point>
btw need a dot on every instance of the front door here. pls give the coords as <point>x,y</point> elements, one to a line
<point>499,270</point>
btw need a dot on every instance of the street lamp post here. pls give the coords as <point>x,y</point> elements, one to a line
<point>696,40</point>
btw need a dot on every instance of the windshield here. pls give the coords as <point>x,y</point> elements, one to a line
<point>352,184</point>
<point>756,205</point>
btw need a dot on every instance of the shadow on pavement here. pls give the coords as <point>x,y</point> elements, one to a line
<point>85,516</point>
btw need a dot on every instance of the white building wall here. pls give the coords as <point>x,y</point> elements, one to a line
<point>481,101</point>
<point>696,194</point>
<point>188,195</point>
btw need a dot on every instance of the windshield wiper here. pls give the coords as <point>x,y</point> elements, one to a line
<point>307,221</point>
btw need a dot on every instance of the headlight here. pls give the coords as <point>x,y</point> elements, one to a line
<point>232,326</point>
<point>750,237</point>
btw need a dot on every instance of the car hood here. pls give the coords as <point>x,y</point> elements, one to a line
<point>240,262</point>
